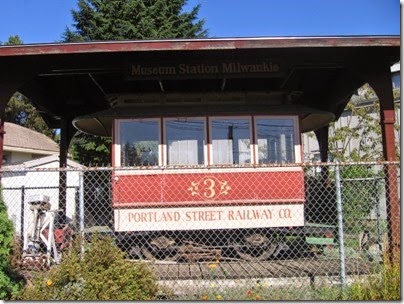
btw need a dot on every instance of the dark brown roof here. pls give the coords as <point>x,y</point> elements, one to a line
<point>18,138</point>
<point>65,81</point>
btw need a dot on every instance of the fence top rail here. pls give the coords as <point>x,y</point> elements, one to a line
<point>184,167</point>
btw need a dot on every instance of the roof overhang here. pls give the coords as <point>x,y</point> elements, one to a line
<point>28,150</point>
<point>66,81</point>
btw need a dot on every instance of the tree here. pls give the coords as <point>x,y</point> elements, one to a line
<point>126,20</point>
<point>359,138</point>
<point>13,40</point>
<point>134,19</point>
<point>90,149</point>
<point>19,109</point>
<point>363,127</point>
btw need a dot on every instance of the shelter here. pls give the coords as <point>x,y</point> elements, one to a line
<point>69,82</point>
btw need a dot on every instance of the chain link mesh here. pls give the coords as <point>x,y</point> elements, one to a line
<point>209,230</point>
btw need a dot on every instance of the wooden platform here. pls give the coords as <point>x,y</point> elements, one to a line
<point>267,269</point>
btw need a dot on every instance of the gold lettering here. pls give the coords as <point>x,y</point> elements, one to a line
<point>210,190</point>
<point>285,213</point>
<point>138,70</point>
<point>228,68</point>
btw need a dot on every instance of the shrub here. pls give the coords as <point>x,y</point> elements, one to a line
<point>101,273</point>
<point>9,282</point>
<point>359,194</point>
<point>383,286</point>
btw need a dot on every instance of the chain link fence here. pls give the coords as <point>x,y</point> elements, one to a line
<point>210,231</point>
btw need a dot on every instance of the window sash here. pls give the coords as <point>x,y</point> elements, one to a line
<point>241,140</point>
<point>231,140</point>
<point>139,142</point>
<point>185,141</point>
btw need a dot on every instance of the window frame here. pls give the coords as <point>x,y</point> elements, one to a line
<point>296,134</point>
<point>117,140</point>
<point>163,130</point>
<point>208,146</point>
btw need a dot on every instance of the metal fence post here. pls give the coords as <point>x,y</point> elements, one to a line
<point>340,226</point>
<point>22,212</point>
<point>378,220</point>
<point>81,209</point>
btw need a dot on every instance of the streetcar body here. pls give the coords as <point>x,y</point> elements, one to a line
<point>237,179</point>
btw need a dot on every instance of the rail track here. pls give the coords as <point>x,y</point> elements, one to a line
<point>239,269</point>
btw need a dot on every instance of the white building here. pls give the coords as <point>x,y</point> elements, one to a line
<point>31,167</point>
<point>23,144</point>
<point>38,177</point>
<point>362,99</point>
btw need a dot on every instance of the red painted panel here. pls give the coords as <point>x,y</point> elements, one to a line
<point>208,188</point>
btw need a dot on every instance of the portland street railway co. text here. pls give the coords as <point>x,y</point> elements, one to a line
<point>203,69</point>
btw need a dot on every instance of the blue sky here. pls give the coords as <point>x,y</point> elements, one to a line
<point>43,21</point>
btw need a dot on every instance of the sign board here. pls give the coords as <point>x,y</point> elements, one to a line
<point>230,69</point>
<point>205,218</point>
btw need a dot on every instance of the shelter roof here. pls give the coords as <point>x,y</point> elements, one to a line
<point>68,80</point>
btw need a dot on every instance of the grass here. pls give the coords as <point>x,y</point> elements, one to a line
<point>383,285</point>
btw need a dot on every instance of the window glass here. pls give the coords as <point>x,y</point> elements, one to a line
<point>275,140</point>
<point>231,141</point>
<point>396,79</point>
<point>139,143</point>
<point>185,139</point>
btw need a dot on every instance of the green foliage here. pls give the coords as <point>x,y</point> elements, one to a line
<point>90,149</point>
<point>359,191</point>
<point>133,20</point>
<point>20,111</point>
<point>101,273</point>
<point>363,126</point>
<point>366,131</point>
<point>6,237</point>
<point>383,286</point>
<point>8,284</point>
<point>13,40</point>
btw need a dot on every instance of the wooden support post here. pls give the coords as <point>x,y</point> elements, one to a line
<point>63,148</point>
<point>322,138</point>
<point>66,134</point>
<point>382,84</point>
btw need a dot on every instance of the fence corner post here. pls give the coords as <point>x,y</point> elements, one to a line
<point>81,208</point>
<point>340,225</point>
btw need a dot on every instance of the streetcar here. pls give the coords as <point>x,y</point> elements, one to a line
<point>202,182</point>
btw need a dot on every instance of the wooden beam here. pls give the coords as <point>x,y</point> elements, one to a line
<point>380,80</point>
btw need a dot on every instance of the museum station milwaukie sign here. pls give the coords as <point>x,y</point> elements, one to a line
<point>200,69</point>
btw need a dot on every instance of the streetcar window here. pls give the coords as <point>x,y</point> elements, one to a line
<point>185,139</point>
<point>275,139</point>
<point>139,143</point>
<point>231,141</point>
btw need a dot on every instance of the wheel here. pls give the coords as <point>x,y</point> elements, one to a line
<point>256,247</point>
<point>160,248</point>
